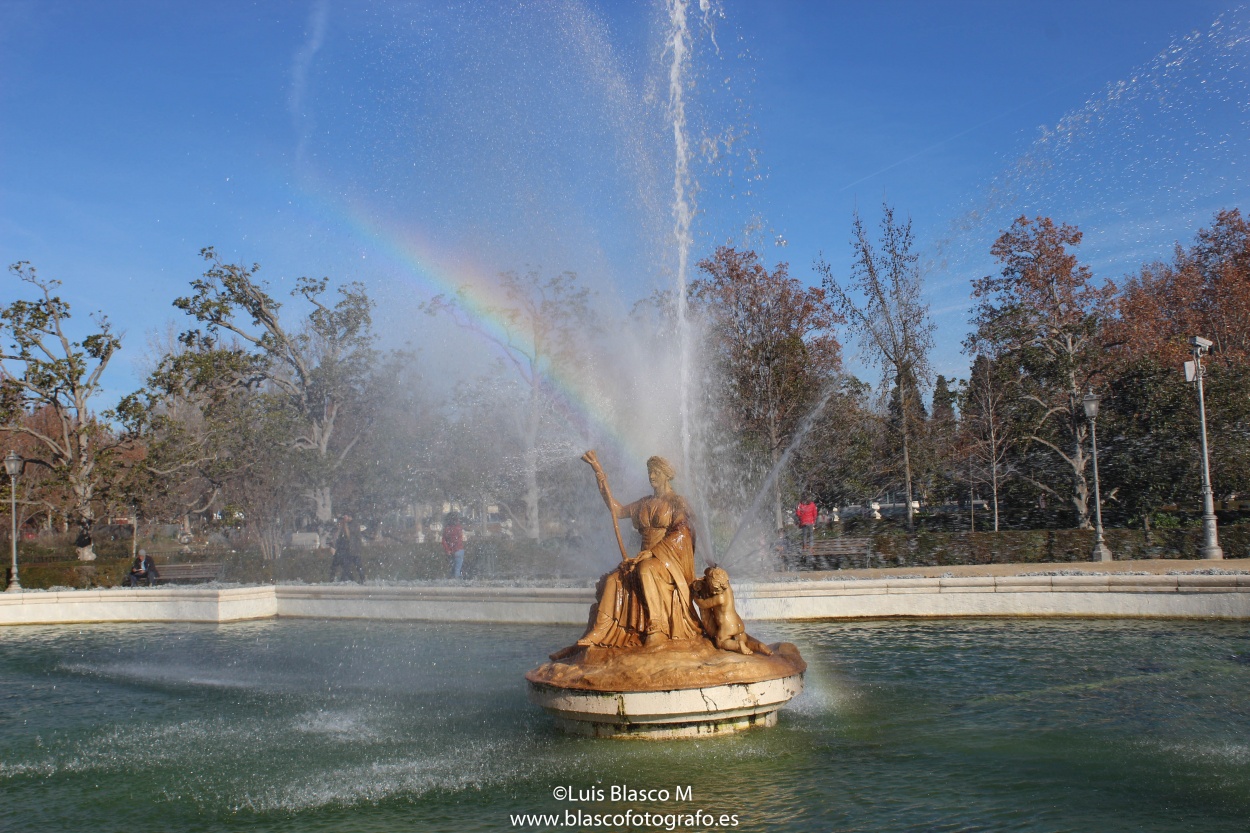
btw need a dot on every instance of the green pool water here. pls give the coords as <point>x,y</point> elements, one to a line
<point>952,725</point>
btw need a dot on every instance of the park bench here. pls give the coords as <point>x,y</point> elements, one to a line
<point>841,553</point>
<point>187,572</point>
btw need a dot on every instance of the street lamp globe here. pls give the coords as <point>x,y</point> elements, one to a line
<point>13,464</point>
<point>1090,402</point>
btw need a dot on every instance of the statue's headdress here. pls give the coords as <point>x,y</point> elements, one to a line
<point>664,467</point>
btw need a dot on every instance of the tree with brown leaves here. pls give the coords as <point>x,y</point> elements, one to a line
<point>1042,317</point>
<point>773,339</point>
<point>1204,290</point>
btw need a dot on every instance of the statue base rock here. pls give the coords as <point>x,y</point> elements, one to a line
<point>677,689</point>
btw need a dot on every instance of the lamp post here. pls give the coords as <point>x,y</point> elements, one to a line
<point>13,465</point>
<point>1193,372</point>
<point>1101,551</point>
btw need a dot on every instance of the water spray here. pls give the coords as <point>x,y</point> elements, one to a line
<point>804,428</point>
<point>678,47</point>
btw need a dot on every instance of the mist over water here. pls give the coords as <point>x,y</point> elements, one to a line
<point>548,138</point>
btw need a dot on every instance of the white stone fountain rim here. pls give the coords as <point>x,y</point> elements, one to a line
<point>679,705</point>
<point>1189,595</point>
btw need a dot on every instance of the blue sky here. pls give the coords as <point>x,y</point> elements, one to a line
<point>404,144</point>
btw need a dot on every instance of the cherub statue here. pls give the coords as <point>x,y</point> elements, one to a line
<point>721,622</point>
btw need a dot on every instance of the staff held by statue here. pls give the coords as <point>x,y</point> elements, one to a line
<point>591,458</point>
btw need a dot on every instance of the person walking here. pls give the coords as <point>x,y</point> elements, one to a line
<point>346,558</point>
<point>806,513</point>
<point>453,542</point>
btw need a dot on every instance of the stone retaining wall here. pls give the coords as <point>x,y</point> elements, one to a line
<point>521,605</point>
<point>161,604</point>
<point>1181,596</point>
<point>1176,596</point>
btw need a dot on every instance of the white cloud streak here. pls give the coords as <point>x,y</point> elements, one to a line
<point>301,64</point>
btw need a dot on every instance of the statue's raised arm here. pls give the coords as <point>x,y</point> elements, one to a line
<point>601,480</point>
<point>613,506</point>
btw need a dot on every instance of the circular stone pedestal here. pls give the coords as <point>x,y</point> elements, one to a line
<point>680,689</point>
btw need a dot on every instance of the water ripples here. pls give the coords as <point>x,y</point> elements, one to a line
<point>1032,725</point>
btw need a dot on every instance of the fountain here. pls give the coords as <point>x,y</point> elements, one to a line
<point>307,722</point>
<point>648,666</point>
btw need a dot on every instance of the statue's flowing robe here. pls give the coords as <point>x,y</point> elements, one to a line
<point>649,594</point>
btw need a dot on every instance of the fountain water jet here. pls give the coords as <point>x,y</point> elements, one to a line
<point>1143,163</point>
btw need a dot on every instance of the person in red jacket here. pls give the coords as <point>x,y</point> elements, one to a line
<point>806,513</point>
<point>453,542</point>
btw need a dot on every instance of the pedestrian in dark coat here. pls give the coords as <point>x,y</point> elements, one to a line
<point>346,562</point>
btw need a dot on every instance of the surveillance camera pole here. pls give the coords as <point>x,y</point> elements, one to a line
<point>1210,535</point>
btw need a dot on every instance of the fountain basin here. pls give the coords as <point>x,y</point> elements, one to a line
<point>335,725</point>
<point>663,715</point>
<point>680,689</point>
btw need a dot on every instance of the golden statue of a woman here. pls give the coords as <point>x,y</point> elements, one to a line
<point>644,636</point>
<point>647,597</point>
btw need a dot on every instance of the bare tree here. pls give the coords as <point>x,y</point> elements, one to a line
<point>883,304</point>
<point>544,319</point>
<point>988,432</point>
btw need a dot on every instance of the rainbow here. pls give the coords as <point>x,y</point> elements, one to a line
<point>434,271</point>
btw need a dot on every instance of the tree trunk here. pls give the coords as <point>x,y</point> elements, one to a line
<point>84,544</point>
<point>531,467</point>
<point>83,512</point>
<point>994,490</point>
<point>911,521</point>
<point>779,518</point>
<point>270,541</point>
<point>1080,486</point>
<point>531,494</point>
<point>902,400</point>
<point>324,504</point>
